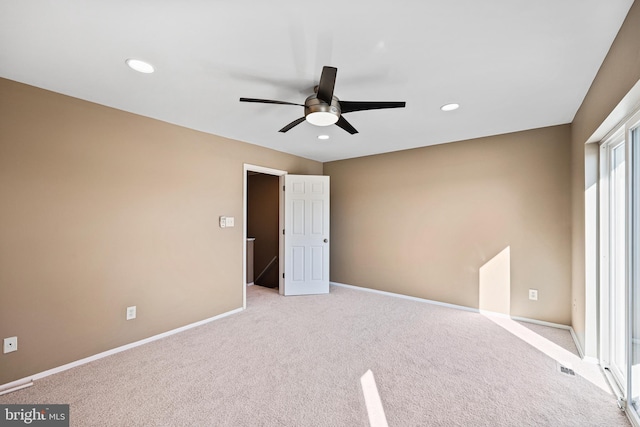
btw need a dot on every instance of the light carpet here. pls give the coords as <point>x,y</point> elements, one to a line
<point>298,361</point>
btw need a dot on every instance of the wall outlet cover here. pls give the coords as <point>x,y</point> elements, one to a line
<point>10,344</point>
<point>131,312</point>
<point>533,294</point>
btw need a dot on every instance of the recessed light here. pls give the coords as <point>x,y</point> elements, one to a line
<point>140,66</point>
<point>450,107</point>
<point>323,136</point>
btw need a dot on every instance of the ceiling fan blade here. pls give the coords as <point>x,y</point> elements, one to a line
<point>349,106</point>
<point>268,101</point>
<point>344,124</point>
<point>327,83</point>
<point>292,124</point>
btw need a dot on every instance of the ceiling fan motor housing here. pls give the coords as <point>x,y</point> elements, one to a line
<point>320,113</point>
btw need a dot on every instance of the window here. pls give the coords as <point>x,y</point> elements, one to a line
<point>620,260</point>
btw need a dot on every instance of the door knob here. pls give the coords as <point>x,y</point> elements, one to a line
<point>326,240</point>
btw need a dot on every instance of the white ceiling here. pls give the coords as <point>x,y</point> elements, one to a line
<point>511,64</point>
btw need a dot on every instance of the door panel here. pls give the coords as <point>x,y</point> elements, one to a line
<point>297,263</point>
<point>297,220</point>
<point>614,289</point>
<point>306,235</point>
<point>618,258</point>
<point>634,264</point>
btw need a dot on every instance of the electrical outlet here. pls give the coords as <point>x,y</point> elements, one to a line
<point>10,344</point>
<point>223,221</point>
<point>131,312</point>
<point>533,294</point>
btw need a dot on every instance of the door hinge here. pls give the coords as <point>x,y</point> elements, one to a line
<point>283,231</point>
<point>283,275</point>
<point>283,188</point>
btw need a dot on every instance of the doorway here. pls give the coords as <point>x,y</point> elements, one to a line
<point>263,220</point>
<point>305,207</point>
<point>262,229</point>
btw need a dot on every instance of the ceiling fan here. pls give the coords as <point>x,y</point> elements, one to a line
<point>324,109</point>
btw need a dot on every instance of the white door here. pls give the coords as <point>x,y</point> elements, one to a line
<point>306,235</point>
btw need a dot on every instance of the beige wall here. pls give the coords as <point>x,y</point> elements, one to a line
<point>618,74</point>
<point>102,209</point>
<point>436,222</point>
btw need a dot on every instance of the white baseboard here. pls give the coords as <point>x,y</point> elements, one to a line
<point>18,384</point>
<point>15,387</point>
<point>576,341</point>
<point>462,307</point>
<point>391,294</point>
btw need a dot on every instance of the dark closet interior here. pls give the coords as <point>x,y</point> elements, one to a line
<point>262,224</point>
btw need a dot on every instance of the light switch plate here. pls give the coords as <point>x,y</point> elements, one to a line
<point>227,221</point>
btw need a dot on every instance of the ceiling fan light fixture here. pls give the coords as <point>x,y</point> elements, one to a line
<point>140,66</point>
<point>323,136</point>
<point>450,107</point>
<point>324,109</point>
<point>322,118</point>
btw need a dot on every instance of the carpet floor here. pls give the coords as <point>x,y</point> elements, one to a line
<point>298,361</point>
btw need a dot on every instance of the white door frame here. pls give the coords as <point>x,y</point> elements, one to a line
<point>606,326</point>
<point>269,171</point>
